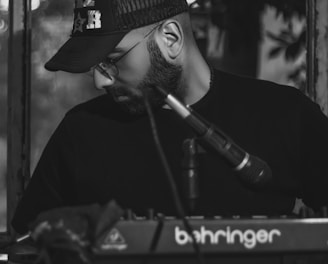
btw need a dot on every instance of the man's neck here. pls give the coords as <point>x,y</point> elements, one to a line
<point>197,78</point>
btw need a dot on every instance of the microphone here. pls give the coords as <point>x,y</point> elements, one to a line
<point>251,170</point>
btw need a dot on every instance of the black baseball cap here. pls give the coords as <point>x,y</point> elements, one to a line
<point>99,25</point>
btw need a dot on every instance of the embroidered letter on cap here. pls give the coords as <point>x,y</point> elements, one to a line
<point>78,23</point>
<point>84,3</point>
<point>94,19</point>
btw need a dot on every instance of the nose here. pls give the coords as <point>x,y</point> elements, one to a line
<point>101,81</point>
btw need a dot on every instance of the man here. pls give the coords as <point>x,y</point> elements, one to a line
<point>104,149</point>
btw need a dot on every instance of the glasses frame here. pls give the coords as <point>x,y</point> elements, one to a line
<point>110,63</point>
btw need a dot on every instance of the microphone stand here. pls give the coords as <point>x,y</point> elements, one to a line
<point>190,173</point>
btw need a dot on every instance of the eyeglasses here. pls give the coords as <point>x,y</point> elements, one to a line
<point>109,64</point>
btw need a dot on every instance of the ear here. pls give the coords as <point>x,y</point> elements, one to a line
<point>171,38</point>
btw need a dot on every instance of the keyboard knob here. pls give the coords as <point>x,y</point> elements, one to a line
<point>129,214</point>
<point>150,214</point>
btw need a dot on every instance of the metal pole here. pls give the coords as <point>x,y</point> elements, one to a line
<point>322,54</point>
<point>19,93</point>
<point>317,52</point>
<point>311,48</point>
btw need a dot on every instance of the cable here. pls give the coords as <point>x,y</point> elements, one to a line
<point>170,178</point>
<point>6,245</point>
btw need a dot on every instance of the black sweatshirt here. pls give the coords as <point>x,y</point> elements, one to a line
<point>99,153</point>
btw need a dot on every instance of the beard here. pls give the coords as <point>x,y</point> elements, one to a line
<point>160,74</point>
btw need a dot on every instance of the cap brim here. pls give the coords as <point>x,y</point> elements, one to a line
<point>79,54</point>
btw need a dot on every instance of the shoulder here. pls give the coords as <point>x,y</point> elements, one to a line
<point>246,84</point>
<point>89,115</point>
<point>261,93</point>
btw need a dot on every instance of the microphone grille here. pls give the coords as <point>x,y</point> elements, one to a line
<point>256,173</point>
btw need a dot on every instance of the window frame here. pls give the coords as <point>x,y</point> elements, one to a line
<point>18,114</point>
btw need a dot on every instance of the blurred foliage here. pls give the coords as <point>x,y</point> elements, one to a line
<point>241,19</point>
<point>288,8</point>
<point>288,42</point>
<point>291,45</point>
<point>221,9</point>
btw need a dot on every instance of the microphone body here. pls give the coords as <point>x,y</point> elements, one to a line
<point>251,170</point>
